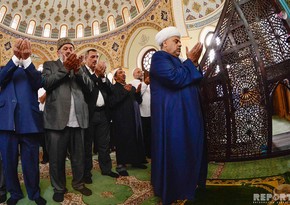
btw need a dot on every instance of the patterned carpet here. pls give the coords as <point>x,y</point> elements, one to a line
<point>228,184</point>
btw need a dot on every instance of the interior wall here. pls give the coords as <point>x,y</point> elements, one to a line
<point>112,46</point>
<point>142,38</point>
<point>124,47</point>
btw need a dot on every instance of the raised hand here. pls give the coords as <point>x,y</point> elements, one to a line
<point>79,63</point>
<point>194,53</point>
<point>128,87</point>
<point>138,90</point>
<point>70,61</point>
<point>73,62</point>
<point>17,48</point>
<point>147,80</point>
<point>100,69</point>
<point>25,49</point>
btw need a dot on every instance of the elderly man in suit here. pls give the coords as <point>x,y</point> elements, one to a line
<point>99,127</point>
<point>21,123</point>
<point>65,117</point>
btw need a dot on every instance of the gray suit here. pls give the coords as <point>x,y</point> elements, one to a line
<point>60,85</point>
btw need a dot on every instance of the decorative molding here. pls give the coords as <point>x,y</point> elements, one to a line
<point>202,23</point>
<point>144,39</point>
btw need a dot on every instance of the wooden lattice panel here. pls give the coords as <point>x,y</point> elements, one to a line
<point>247,57</point>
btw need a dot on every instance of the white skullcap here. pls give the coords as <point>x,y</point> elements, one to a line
<point>166,33</point>
<point>114,72</point>
<point>134,70</point>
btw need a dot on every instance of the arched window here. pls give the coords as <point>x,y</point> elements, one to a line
<point>3,11</point>
<point>47,30</point>
<point>80,31</point>
<point>15,21</point>
<point>146,61</point>
<point>206,35</point>
<point>126,15</point>
<point>139,4</point>
<point>31,27</point>
<point>96,28</point>
<point>111,22</point>
<point>63,31</point>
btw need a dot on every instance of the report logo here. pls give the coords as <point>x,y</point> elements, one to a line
<point>280,194</point>
<point>266,198</point>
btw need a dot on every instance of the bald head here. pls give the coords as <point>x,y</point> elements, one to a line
<point>137,73</point>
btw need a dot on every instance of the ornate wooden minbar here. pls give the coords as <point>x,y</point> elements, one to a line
<point>247,58</point>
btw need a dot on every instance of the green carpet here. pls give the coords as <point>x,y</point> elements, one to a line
<point>232,183</point>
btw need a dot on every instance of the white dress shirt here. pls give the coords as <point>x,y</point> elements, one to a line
<point>145,93</point>
<point>72,120</point>
<point>100,101</point>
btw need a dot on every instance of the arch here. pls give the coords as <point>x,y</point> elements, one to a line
<point>31,27</point>
<point>15,22</point>
<point>106,55</point>
<point>142,34</point>
<point>3,11</point>
<point>140,6</point>
<point>126,15</point>
<point>133,32</point>
<point>144,57</point>
<point>96,28</point>
<point>80,31</point>
<point>204,36</point>
<point>43,53</point>
<point>111,23</point>
<point>47,30</point>
<point>63,31</point>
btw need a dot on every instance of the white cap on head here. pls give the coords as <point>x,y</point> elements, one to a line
<point>134,70</point>
<point>166,33</point>
<point>114,72</point>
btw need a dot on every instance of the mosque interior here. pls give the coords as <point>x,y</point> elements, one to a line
<point>246,57</point>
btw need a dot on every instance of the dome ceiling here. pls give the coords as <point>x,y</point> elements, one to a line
<point>200,13</point>
<point>71,13</point>
<point>198,9</point>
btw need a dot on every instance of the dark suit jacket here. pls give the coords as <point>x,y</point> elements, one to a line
<point>60,85</point>
<point>91,97</point>
<point>19,110</point>
<point>127,124</point>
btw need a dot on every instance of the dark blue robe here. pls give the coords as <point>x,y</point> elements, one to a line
<point>177,128</point>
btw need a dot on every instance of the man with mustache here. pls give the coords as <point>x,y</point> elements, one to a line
<point>126,117</point>
<point>98,132</point>
<point>65,117</point>
<point>178,160</point>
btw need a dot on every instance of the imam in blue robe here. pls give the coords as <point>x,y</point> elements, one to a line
<point>177,128</point>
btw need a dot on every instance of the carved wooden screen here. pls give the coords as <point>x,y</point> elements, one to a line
<point>247,57</point>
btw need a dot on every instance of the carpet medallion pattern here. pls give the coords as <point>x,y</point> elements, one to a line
<point>227,184</point>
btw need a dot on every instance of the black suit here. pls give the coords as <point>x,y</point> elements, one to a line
<point>99,127</point>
